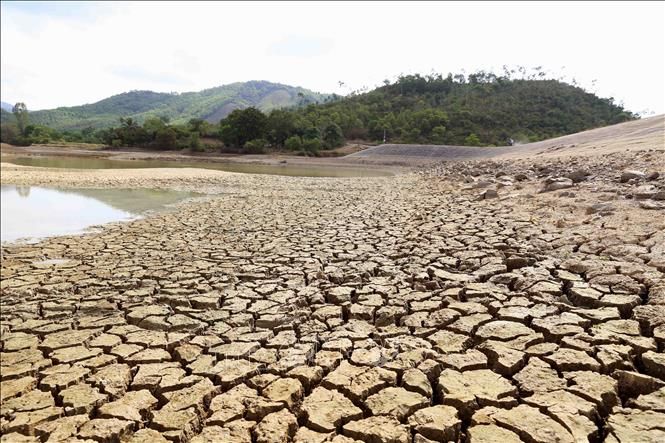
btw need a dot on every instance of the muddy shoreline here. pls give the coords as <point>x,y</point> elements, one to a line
<point>146,154</point>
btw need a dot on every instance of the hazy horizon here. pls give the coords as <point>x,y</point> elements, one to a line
<point>66,54</point>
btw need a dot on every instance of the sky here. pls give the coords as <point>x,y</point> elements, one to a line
<point>63,54</point>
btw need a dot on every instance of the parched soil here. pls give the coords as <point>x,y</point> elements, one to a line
<point>481,301</point>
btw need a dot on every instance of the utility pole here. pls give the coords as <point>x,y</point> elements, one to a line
<point>384,136</point>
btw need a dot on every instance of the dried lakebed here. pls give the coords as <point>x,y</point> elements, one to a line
<point>415,308</point>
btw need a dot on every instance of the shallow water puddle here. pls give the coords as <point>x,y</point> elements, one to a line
<point>33,212</point>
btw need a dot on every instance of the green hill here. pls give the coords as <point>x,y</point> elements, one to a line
<point>482,109</point>
<point>210,104</point>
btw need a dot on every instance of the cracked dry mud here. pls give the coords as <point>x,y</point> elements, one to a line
<point>454,304</point>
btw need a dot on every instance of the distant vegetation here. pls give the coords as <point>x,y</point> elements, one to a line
<point>478,109</point>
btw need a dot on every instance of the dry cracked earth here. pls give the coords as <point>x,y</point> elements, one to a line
<point>459,304</point>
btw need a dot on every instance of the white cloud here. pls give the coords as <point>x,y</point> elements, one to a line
<point>84,53</point>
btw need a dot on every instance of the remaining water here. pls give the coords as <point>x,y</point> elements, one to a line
<point>33,212</point>
<point>250,168</point>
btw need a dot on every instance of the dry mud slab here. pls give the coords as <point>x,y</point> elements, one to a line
<point>459,303</point>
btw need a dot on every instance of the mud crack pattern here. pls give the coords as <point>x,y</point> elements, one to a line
<point>403,309</point>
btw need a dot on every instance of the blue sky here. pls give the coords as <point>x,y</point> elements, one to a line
<point>69,53</point>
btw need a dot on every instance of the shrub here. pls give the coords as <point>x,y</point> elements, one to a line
<point>293,143</point>
<point>312,146</point>
<point>256,146</point>
<point>9,133</point>
<point>195,142</point>
<point>472,140</point>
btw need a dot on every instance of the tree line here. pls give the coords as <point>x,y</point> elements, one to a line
<point>247,131</point>
<point>155,132</point>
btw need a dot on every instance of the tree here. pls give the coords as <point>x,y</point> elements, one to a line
<point>280,125</point>
<point>332,135</point>
<point>412,135</point>
<point>128,123</point>
<point>130,133</point>
<point>311,133</point>
<point>196,125</point>
<point>195,142</point>
<point>20,111</point>
<point>166,138</point>
<point>243,125</point>
<point>438,134</point>
<point>153,125</point>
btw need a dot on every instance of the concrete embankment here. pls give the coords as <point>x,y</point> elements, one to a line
<point>648,133</point>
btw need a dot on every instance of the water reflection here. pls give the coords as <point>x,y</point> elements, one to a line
<point>34,212</point>
<point>23,191</point>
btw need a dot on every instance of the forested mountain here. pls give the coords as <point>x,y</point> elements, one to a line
<point>482,109</point>
<point>210,105</point>
<point>6,106</point>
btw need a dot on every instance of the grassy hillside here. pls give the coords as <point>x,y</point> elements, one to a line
<point>210,104</point>
<point>479,110</point>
